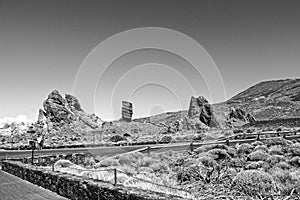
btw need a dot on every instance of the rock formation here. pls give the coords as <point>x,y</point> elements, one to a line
<point>66,114</point>
<point>201,109</point>
<point>238,116</point>
<point>196,105</point>
<point>127,111</point>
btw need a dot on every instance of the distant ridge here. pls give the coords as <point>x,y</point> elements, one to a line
<point>274,99</point>
<point>283,90</point>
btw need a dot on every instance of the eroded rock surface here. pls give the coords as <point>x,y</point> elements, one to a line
<point>66,115</point>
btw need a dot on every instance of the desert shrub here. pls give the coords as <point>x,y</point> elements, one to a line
<point>282,165</point>
<point>278,141</point>
<point>254,165</point>
<point>295,149</point>
<point>127,169</point>
<point>250,130</point>
<point>129,158</point>
<point>117,138</point>
<point>261,148</point>
<point>231,152</point>
<point>218,154</point>
<point>295,161</point>
<point>67,166</point>
<point>189,174</point>
<point>286,182</point>
<point>178,139</point>
<point>146,162</point>
<point>166,139</point>
<point>254,183</point>
<point>235,131</point>
<point>206,148</point>
<point>201,149</point>
<point>62,163</point>
<point>159,167</point>
<point>237,163</point>
<point>89,161</point>
<point>274,159</point>
<point>208,161</point>
<point>206,171</point>
<point>258,155</point>
<point>135,155</point>
<point>144,170</point>
<point>107,162</point>
<point>257,143</point>
<point>276,150</point>
<point>244,149</point>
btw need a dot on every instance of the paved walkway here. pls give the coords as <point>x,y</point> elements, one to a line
<point>14,188</point>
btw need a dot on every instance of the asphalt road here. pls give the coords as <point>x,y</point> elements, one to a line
<point>98,151</point>
<point>111,151</point>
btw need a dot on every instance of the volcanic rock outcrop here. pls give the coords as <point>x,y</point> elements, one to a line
<point>238,116</point>
<point>201,109</point>
<point>66,114</point>
<point>127,111</point>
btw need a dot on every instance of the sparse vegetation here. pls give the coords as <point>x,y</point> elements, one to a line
<point>259,170</point>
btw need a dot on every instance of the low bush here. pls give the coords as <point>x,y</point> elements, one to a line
<point>244,149</point>
<point>276,150</point>
<point>231,152</point>
<point>261,148</point>
<point>89,162</point>
<point>166,139</point>
<point>295,149</point>
<point>258,155</point>
<point>254,183</point>
<point>62,164</point>
<point>257,143</point>
<point>206,148</point>
<point>254,165</point>
<point>282,165</point>
<point>274,159</point>
<point>107,162</point>
<point>278,141</point>
<point>286,182</point>
<point>218,154</point>
<point>295,161</point>
<point>117,138</point>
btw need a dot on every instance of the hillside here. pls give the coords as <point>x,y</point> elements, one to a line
<point>270,99</point>
<point>279,90</point>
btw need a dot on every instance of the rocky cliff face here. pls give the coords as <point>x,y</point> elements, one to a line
<point>65,115</point>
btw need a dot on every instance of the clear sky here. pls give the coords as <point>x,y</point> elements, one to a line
<point>44,43</point>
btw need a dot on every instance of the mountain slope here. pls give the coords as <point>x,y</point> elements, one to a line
<point>270,99</point>
<point>276,90</point>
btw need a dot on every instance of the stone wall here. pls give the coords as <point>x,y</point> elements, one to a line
<point>76,187</point>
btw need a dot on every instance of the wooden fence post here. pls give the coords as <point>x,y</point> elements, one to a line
<point>191,147</point>
<point>53,166</point>
<point>227,142</point>
<point>115,177</point>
